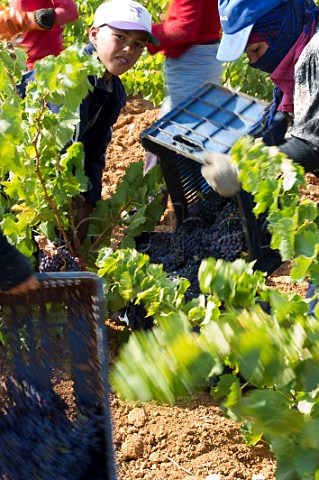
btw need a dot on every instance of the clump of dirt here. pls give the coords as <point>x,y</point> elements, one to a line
<point>187,441</point>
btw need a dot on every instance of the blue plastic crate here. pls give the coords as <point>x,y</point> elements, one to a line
<point>53,334</point>
<point>210,120</point>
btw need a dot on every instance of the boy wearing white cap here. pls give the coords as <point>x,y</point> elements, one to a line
<point>119,34</point>
<point>123,25</point>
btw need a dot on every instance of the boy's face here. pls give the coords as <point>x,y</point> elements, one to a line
<point>118,50</point>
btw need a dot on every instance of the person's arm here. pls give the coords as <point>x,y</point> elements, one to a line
<point>301,152</point>
<point>30,283</point>
<point>15,20</point>
<point>16,273</point>
<point>65,11</point>
<point>180,30</point>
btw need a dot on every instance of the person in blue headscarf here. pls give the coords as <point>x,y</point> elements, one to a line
<point>280,37</point>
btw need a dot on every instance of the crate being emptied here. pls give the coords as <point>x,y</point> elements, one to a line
<point>54,410</point>
<point>210,120</point>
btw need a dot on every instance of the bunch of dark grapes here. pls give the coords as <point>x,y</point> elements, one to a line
<point>229,219</point>
<point>214,229</point>
<point>61,261</point>
<point>39,441</point>
<point>207,208</point>
<point>187,240</point>
<point>231,238</point>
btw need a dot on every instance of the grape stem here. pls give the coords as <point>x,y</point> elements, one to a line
<point>49,198</point>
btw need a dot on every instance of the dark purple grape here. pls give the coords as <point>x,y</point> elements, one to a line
<point>213,229</point>
<point>62,261</point>
<point>39,441</point>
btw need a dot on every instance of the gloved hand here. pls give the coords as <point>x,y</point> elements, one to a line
<point>13,22</point>
<point>221,174</point>
<point>273,123</point>
<point>275,133</point>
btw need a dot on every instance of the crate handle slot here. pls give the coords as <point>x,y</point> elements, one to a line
<point>188,144</point>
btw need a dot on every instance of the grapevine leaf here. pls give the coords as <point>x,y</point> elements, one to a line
<point>223,388</point>
<point>232,405</point>
<point>285,306</point>
<point>269,408</point>
<point>173,359</point>
<point>250,436</point>
<point>306,461</point>
<point>309,374</point>
<point>282,229</point>
<point>305,243</point>
<point>309,436</point>
<point>307,211</point>
<point>289,174</point>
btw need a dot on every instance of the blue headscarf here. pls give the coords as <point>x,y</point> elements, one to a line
<point>281,28</point>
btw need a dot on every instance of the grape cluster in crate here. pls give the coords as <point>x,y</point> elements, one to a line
<point>213,228</point>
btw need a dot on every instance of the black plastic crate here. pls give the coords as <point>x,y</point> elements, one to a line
<point>211,119</point>
<point>52,335</point>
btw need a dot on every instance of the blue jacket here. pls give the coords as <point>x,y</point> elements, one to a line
<point>98,113</point>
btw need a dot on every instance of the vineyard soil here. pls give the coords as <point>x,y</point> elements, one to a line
<point>190,440</point>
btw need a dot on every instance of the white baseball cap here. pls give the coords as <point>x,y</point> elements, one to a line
<point>125,15</point>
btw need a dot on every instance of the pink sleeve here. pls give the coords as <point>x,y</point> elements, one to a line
<point>65,12</point>
<point>180,29</point>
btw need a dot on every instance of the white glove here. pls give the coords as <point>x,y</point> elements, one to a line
<point>221,173</point>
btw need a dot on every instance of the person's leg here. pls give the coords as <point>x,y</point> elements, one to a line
<point>183,76</point>
<point>27,77</point>
<point>150,161</point>
<point>22,88</point>
<point>151,158</point>
<point>311,291</point>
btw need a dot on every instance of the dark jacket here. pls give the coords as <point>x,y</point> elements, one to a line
<point>98,113</point>
<point>15,268</point>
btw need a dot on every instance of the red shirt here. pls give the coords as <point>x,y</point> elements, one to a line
<point>40,43</point>
<point>187,23</point>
